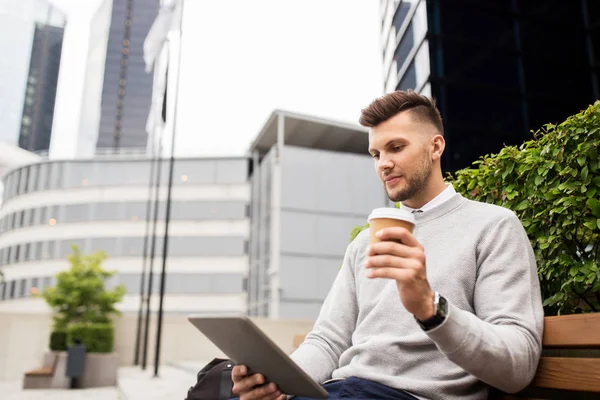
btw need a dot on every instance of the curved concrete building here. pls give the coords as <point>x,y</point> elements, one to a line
<point>101,204</point>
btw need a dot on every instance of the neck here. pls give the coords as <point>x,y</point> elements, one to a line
<point>435,186</point>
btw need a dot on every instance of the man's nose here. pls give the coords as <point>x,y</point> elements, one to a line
<point>385,163</point>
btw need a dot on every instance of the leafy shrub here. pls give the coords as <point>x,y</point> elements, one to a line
<point>58,341</point>
<point>97,338</point>
<point>552,183</point>
<point>80,294</point>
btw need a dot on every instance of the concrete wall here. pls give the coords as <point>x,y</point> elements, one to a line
<point>24,339</point>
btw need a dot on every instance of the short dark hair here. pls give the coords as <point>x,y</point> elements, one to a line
<point>422,108</point>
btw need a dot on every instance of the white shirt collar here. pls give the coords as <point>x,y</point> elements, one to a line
<point>438,200</point>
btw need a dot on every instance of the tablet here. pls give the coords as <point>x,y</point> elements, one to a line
<point>245,344</point>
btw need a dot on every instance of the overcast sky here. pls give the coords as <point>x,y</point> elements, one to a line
<point>242,59</point>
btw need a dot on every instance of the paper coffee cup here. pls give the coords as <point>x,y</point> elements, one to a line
<point>387,217</point>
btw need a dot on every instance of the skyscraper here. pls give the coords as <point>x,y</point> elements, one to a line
<point>31,33</point>
<point>127,88</point>
<point>498,68</point>
<point>40,95</point>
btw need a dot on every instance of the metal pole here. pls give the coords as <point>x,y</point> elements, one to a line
<point>168,206</point>
<point>152,252</point>
<point>153,160</point>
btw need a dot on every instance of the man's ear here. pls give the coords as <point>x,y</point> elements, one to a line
<point>438,144</point>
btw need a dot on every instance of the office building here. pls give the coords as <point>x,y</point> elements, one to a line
<point>498,69</point>
<point>312,183</point>
<point>31,35</point>
<point>40,95</point>
<point>127,88</point>
<point>101,204</point>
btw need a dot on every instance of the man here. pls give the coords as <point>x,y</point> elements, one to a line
<point>442,313</point>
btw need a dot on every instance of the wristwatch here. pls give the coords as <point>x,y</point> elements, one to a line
<point>441,311</point>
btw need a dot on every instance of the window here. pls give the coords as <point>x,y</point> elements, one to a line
<point>133,246</point>
<point>35,285</point>
<point>55,175</point>
<point>22,287</point>
<point>76,174</point>
<point>44,176</point>
<point>26,256</point>
<point>77,212</point>
<point>1,256</point>
<point>11,294</point>
<point>32,216</point>
<point>108,245</point>
<point>24,180</point>
<point>17,253</point>
<point>9,258</point>
<point>33,177</point>
<point>3,286</point>
<point>39,249</point>
<point>135,211</point>
<point>26,220</point>
<point>107,211</point>
<point>47,282</point>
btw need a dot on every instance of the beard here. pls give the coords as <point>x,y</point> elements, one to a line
<point>414,184</point>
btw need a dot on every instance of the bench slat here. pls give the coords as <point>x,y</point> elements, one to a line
<point>580,330</point>
<point>579,374</point>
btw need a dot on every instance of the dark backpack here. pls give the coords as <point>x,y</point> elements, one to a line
<point>214,382</point>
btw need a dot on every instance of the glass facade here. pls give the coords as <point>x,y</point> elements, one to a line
<point>498,69</point>
<point>127,88</point>
<point>31,34</point>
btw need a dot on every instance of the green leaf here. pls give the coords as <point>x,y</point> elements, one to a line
<point>538,180</point>
<point>591,192</point>
<point>581,160</point>
<point>594,206</point>
<point>584,173</point>
<point>590,224</point>
<point>522,205</point>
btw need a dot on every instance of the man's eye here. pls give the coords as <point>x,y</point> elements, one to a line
<point>398,148</point>
<point>375,156</point>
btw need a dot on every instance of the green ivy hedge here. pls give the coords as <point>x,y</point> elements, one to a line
<point>552,183</point>
<point>97,338</point>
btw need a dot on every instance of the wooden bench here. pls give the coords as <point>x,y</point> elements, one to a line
<point>41,378</point>
<point>570,363</point>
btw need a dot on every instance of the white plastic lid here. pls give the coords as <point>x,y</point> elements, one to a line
<point>392,213</point>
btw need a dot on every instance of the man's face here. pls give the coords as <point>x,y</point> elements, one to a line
<point>401,148</point>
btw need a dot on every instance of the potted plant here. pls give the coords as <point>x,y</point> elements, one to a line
<point>83,309</point>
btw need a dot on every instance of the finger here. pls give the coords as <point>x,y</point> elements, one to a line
<point>389,261</point>
<point>274,396</point>
<point>238,373</point>
<point>248,383</point>
<point>398,274</point>
<point>264,392</point>
<point>398,233</point>
<point>389,247</point>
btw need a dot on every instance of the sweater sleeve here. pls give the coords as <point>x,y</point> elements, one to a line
<point>501,343</point>
<point>332,332</point>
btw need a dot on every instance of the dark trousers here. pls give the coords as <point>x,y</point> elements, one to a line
<point>362,389</point>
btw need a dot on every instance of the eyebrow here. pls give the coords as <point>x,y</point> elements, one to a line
<point>391,143</point>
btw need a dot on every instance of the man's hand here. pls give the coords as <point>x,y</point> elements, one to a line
<point>249,387</point>
<point>401,257</point>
